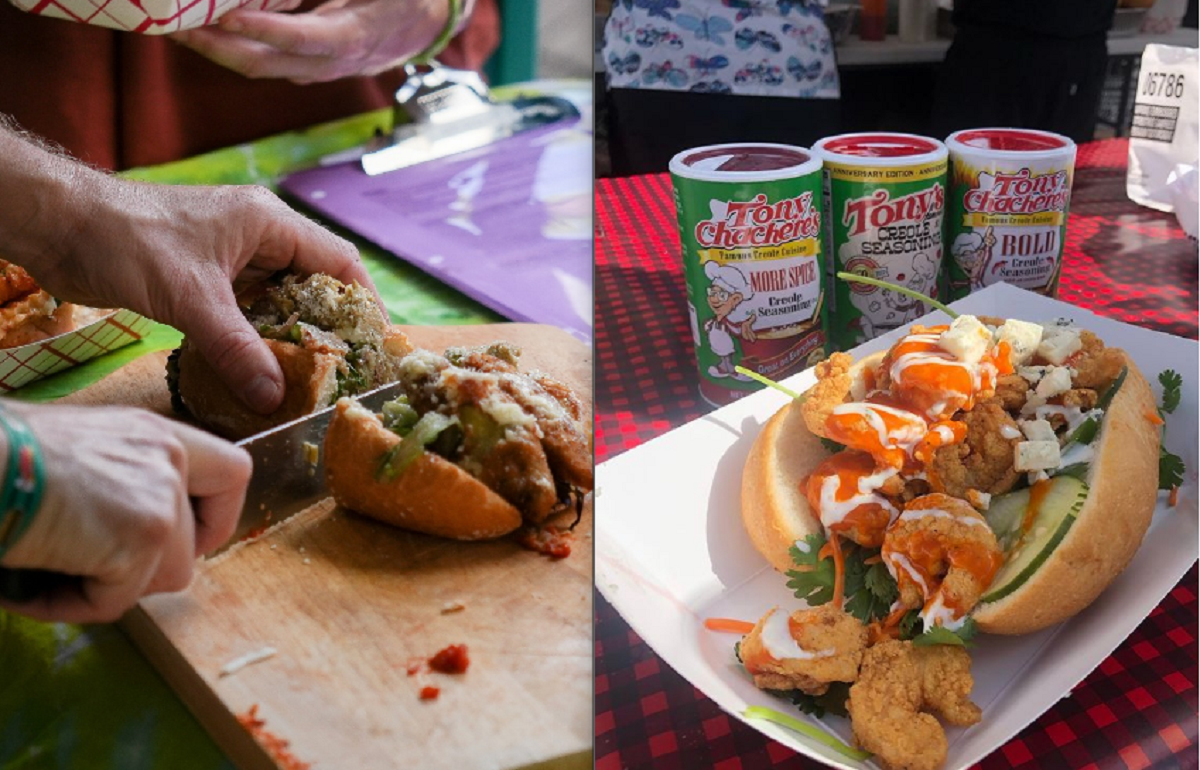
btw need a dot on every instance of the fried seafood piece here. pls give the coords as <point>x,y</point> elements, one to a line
<point>832,388</point>
<point>558,411</point>
<point>1081,398</point>
<point>984,461</point>
<point>804,651</point>
<point>899,689</point>
<point>1095,365</point>
<point>1012,391</point>
<point>516,438</point>
<point>15,282</point>
<point>943,556</point>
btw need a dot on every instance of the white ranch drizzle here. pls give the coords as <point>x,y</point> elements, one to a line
<point>1009,432</point>
<point>899,560</point>
<point>937,610</point>
<point>779,643</point>
<point>833,511</point>
<point>919,513</point>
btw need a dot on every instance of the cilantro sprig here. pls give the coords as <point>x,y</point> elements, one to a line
<point>1170,465</point>
<point>1172,384</point>
<point>869,589</point>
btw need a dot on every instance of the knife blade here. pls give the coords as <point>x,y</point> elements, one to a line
<point>288,477</point>
<point>289,468</point>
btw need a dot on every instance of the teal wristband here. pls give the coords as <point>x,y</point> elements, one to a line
<point>442,40</point>
<point>24,480</point>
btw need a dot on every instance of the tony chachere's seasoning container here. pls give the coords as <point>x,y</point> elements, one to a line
<point>750,231</point>
<point>1009,193</point>
<point>885,196</point>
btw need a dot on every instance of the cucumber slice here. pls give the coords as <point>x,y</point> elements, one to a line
<point>1056,513</point>
<point>1005,515</point>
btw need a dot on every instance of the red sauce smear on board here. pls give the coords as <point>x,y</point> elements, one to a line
<point>275,746</point>
<point>429,692</point>
<point>549,541</point>
<point>450,660</point>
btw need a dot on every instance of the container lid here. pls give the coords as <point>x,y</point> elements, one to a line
<point>1005,141</point>
<point>880,149</point>
<point>744,162</point>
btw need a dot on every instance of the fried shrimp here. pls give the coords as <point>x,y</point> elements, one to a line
<point>899,689</point>
<point>985,460</point>
<point>832,388</point>
<point>943,556</point>
<point>804,651</point>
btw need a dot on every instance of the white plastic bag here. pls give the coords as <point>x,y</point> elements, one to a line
<point>1165,138</point>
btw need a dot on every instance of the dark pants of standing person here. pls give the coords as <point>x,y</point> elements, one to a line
<point>1001,78</point>
<point>647,127</point>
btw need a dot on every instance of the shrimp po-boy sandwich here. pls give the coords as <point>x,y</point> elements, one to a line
<point>997,470</point>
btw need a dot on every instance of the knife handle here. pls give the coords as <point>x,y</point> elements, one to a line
<point>23,585</point>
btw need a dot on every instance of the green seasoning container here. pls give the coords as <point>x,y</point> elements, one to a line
<point>750,231</point>
<point>885,195</point>
<point>1009,193</point>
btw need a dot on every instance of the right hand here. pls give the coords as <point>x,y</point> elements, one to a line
<point>116,508</point>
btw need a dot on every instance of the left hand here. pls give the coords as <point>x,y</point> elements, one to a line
<point>338,39</point>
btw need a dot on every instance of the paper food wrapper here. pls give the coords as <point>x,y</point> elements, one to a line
<point>148,17</point>
<point>114,329</point>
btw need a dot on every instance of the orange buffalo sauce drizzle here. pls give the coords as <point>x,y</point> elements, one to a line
<point>1037,496</point>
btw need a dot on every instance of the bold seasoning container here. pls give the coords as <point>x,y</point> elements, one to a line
<point>1009,193</point>
<point>885,196</point>
<point>750,231</point>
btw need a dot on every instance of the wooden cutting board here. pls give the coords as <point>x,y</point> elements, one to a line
<point>347,603</point>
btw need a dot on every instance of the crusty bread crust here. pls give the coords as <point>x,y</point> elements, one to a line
<point>775,512</point>
<point>1109,528</point>
<point>310,381</point>
<point>432,495</point>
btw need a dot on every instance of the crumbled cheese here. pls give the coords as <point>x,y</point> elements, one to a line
<point>980,501</point>
<point>1056,381</point>
<point>1023,337</point>
<point>967,339</point>
<point>1032,374</point>
<point>311,453</point>
<point>1009,432</point>
<point>1038,430</point>
<point>1036,455</point>
<point>1059,343</point>
<point>240,662</point>
<point>1034,478</point>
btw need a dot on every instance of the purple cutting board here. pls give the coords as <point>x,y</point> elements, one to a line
<point>509,225</point>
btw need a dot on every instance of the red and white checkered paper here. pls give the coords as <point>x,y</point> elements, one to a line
<point>148,17</point>
<point>23,365</point>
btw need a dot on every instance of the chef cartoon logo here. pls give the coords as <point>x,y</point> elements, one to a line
<point>728,292</point>
<point>883,309</point>
<point>973,253</point>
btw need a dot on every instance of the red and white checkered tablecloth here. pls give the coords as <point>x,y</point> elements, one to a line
<point>1137,710</point>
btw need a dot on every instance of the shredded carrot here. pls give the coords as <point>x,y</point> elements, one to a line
<point>888,628</point>
<point>872,559</point>
<point>1154,417</point>
<point>729,625</point>
<point>826,550</point>
<point>839,571</point>
<point>1173,498</point>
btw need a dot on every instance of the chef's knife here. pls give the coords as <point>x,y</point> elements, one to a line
<point>289,467</point>
<point>288,477</point>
